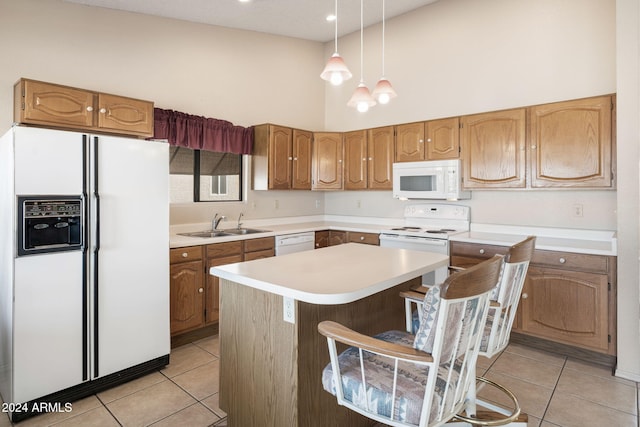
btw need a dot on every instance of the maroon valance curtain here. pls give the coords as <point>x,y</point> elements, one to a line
<point>201,133</point>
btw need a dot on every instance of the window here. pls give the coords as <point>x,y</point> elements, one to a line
<point>204,176</point>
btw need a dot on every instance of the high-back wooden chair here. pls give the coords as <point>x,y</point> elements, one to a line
<point>402,380</point>
<point>497,329</point>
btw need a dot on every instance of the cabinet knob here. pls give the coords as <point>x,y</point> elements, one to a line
<point>562,260</point>
<point>200,290</point>
<point>184,254</point>
<point>428,139</point>
<point>361,237</point>
<point>89,108</point>
<point>533,147</point>
<point>290,158</point>
<point>364,159</point>
<point>370,158</point>
<point>295,158</point>
<point>103,110</point>
<point>525,296</point>
<point>482,251</point>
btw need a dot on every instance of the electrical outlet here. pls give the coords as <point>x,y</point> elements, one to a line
<point>289,309</point>
<point>317,204</point>
<point>358,204</point>
<point>276,204</point>
<point>577,210</point>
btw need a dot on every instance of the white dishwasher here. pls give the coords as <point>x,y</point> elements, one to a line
<point>297,242</point>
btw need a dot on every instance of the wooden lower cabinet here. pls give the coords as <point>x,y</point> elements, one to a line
<point>337,237</point>
<point>366,238</point>
<point>195,294</point>
<point>186,289</point>
<point>322,239</point>
<point>568,298</point>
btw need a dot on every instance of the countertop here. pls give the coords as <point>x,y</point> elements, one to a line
<point>597,242</point>
<point>333,275</point>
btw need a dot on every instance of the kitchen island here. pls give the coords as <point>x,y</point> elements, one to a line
<point>271,368</point>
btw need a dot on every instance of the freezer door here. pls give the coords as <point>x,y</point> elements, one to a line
<point>133,259</point>
<point>48,161</point>
<point>48,324</point>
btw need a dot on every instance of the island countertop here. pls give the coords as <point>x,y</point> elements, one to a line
<point>333,275</point>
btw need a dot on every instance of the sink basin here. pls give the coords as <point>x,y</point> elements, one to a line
<point>206,234</point>
<point>245,231</point>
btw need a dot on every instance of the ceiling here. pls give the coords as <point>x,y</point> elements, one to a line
<point>304,19</point>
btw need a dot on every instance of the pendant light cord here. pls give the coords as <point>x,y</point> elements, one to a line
<point>336,28</point>
<point>361,41</point>
<point>383,38</point>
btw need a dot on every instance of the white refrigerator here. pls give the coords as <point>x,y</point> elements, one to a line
<point>75,320</point>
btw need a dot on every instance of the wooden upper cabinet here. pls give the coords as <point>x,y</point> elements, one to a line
<point>355,160</point>
<point>410,142</point>
<point>493,149</point>
<point>280,157</point>
<point>301,167</point>
<point>442,139</point>
<point>571,143</point>
<point>380,153</point>
<point>432,140</point>
<point>48,104</point>
<point>117,113</point>
<point>327,161</point>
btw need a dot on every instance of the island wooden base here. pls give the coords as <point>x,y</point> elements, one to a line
<point>270,370</point>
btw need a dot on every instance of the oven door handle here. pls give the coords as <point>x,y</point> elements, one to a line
<point>416,239</point>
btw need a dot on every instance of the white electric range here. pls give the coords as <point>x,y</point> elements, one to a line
<point>427,227</point>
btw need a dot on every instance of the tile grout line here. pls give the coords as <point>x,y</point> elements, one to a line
<point>553,392</point>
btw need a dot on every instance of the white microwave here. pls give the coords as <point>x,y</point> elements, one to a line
<point>430,179</point>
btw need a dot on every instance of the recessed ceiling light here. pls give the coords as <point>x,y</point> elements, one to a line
<point>331,17</point>
<point>244,1</point>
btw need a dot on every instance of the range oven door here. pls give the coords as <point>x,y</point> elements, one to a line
<point>425,244</point>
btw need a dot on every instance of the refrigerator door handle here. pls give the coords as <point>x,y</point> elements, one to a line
<point>85,260</point>
<point>96,258</point>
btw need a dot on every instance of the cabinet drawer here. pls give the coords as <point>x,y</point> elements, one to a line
<point>218,250</point>
<point>266,253</point>
<point>367,238</point>
<point>476,250</point>
<point>190,253</point>
<point>571,261</point>
<point>252,245</point>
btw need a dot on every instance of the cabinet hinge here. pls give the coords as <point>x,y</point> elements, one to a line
<point>609,286</point>
<point>22,105</point>
<point>608,338</point>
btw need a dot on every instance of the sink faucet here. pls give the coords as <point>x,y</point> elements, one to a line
<point>216,220</point>
<point>239,218</point>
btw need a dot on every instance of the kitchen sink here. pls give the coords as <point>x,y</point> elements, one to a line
<point>245,231</point>
<point>206,234</point>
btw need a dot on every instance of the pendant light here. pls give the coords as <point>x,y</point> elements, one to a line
<point>336,70</point>
<point>383,91</point>
<point>361,98</point>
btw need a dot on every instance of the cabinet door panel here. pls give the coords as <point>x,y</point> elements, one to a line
<point>125,114</point>
<point>567,306</point>
<point>212,294</point>
<point>409,145</point>
<point>571,143</point>
<point>46,103</point>
<point>280,158</point>
<point>327,161</point>
<point>380,158</point>
<point>355,160</point>
<point>493,149</point>
<point>187,296</point>
<point>443,139</point>
<point>301,169</point>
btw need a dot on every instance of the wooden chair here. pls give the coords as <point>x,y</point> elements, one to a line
<point>389,380</point>
<point>502,312</point>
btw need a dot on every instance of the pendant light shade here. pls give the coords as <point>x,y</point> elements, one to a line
<point>336,70</point>
<point>361,99</point>
<point>383,92</point>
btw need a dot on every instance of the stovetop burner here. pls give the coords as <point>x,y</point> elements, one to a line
<point>407,228</point>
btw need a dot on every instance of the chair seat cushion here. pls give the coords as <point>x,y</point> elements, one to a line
<point>379,375</point>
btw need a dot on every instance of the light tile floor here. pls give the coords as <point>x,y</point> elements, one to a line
<point>553,390</point>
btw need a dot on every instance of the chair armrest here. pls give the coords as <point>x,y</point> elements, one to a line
<point>338,332</point>
<point>412,295</point>
<point>454,269</point>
